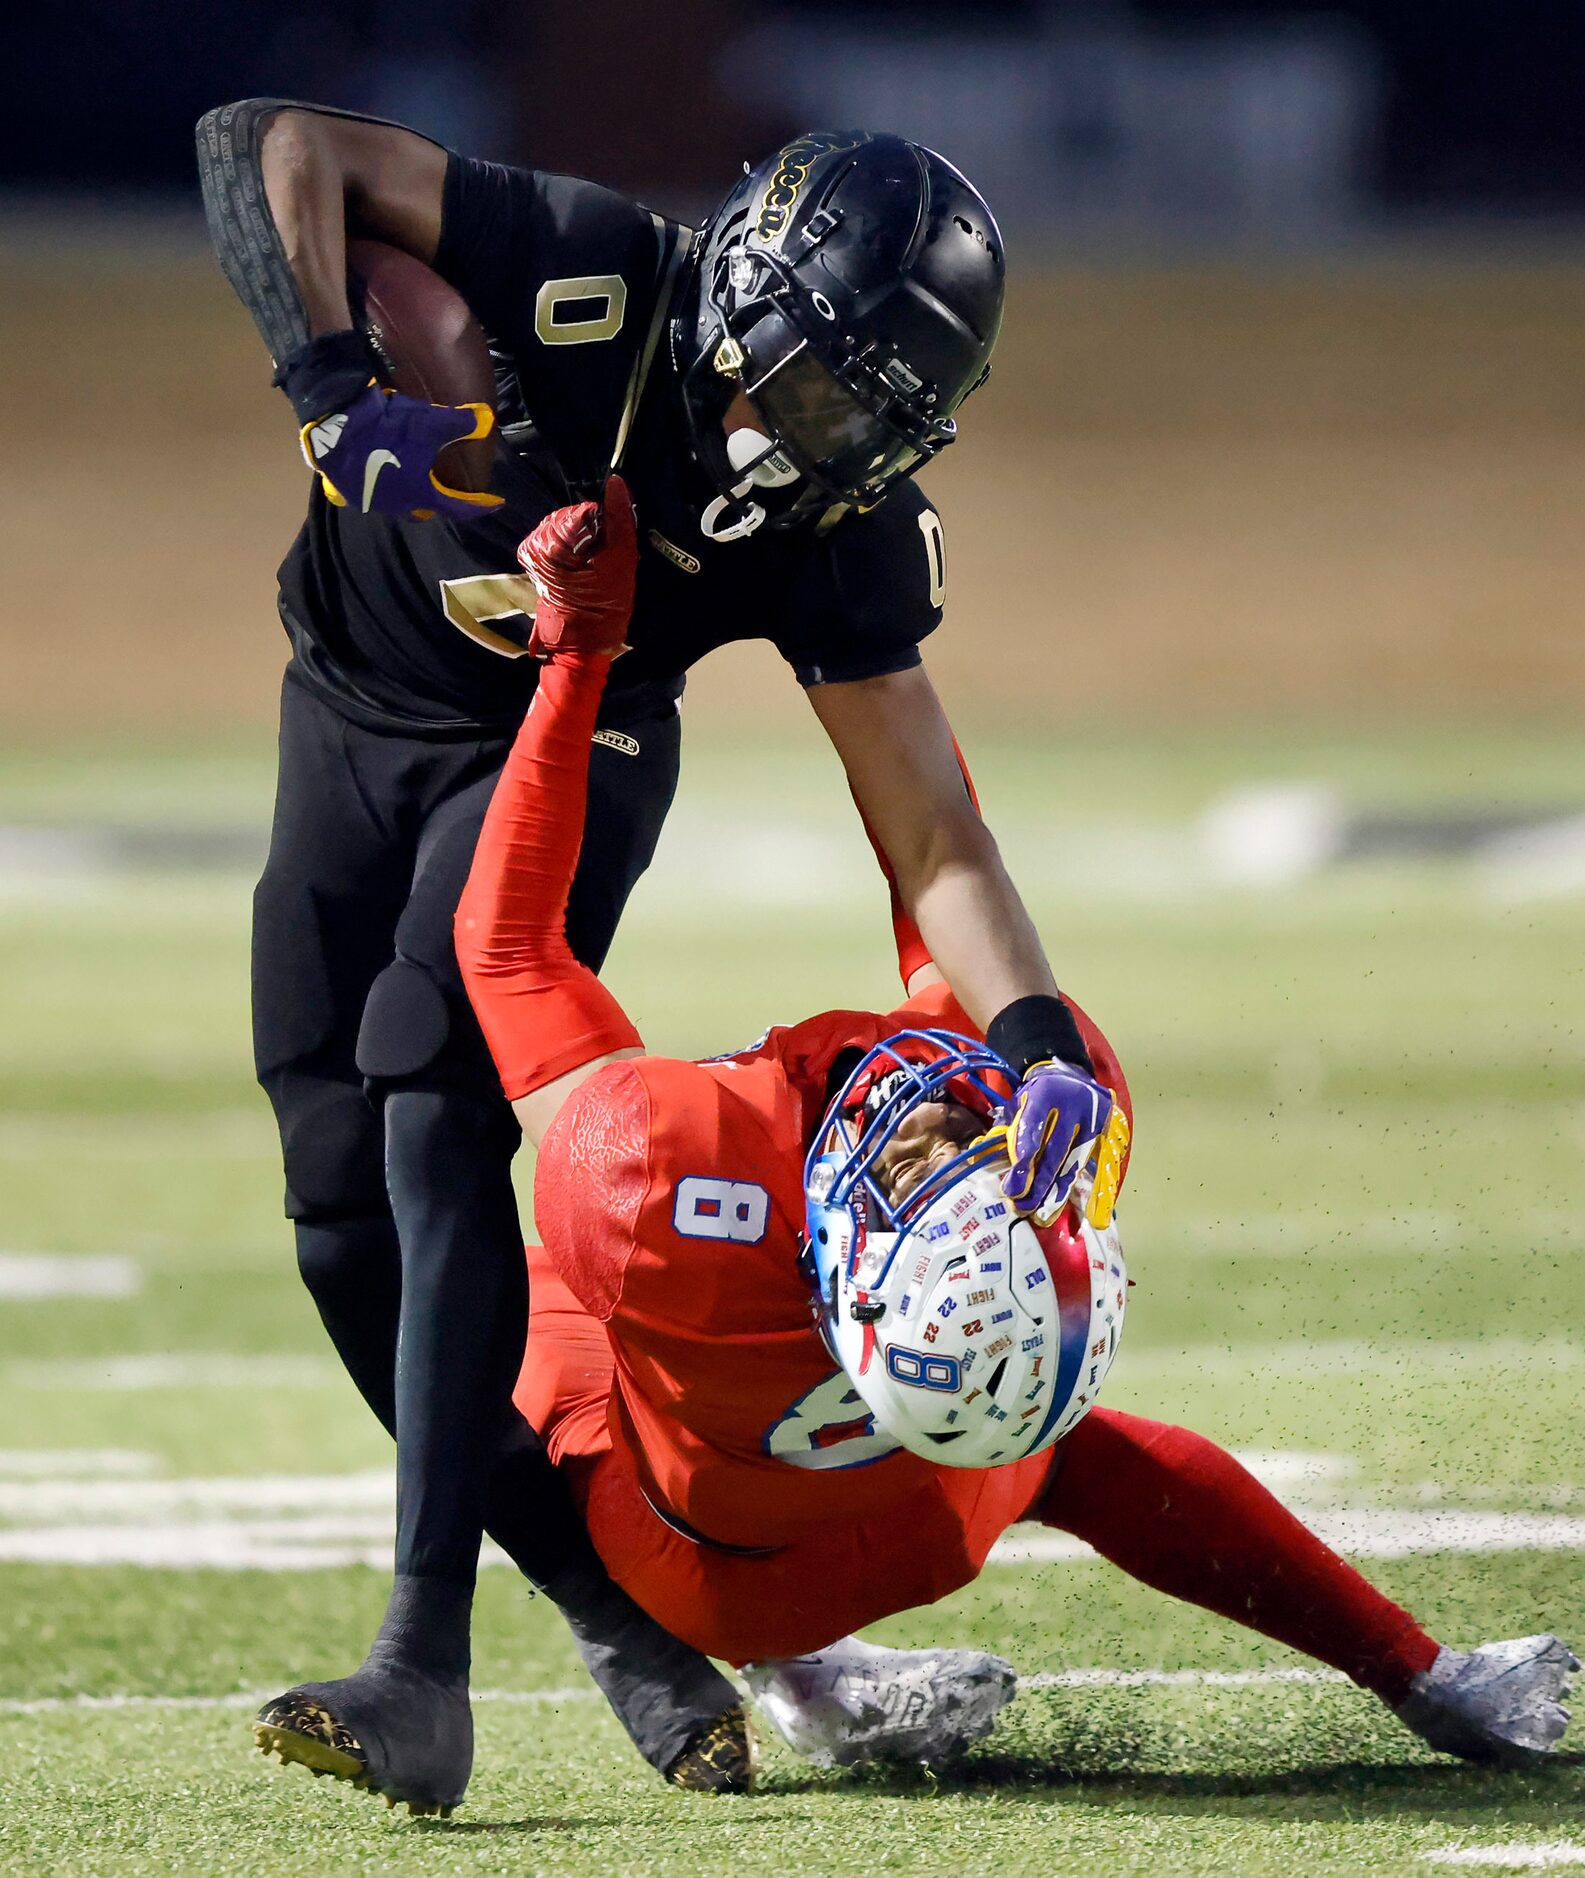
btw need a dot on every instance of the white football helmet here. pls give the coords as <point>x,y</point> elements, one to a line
<point>973,1336</point>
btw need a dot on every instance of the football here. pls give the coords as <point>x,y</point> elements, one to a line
<point>429,345</point>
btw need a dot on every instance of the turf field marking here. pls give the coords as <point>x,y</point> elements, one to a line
<point>1310,1233</point>
<point>27,1276</point>
<point>1288,1470</point>
<point>84,1463</point>
<point>76,1704</point>
<point>133,1374</point>
<point>1174,1678</point>
<point>1360,1532</point>
<point>1515,1855</point>
<point>1545,862</point>
<point>586,1692</point>
<point>301,1522</point>
<point>1343,1356</point>
<point>46,1492</point>
<point>106,1499</point>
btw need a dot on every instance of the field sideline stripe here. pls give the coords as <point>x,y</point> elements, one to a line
<point>1513,1855</point>
<point>584,1692</point>
<point>32,1277</point>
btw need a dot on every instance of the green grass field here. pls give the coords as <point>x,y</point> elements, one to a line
<point>1356,1217</point>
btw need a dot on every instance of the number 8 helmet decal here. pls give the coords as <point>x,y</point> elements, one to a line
<point>973,1336</point>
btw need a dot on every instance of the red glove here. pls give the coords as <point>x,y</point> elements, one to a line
<point>583,561</point>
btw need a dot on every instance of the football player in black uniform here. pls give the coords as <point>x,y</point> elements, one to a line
<point>767,386</point>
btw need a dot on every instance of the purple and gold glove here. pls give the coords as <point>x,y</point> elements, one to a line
<point>377,453</point>
<point>1059,1118</point>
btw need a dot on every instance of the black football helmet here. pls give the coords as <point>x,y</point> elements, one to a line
<point>852,286</point>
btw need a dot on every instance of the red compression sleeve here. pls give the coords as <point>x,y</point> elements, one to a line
<point>1181,1515</point>
<point>542,1013</point>
<point>912,952</point>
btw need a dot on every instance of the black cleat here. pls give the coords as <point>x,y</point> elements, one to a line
<point>719,1759</point>
<point>387,1729</point>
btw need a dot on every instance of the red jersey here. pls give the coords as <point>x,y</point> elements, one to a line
<point>670,1200</point>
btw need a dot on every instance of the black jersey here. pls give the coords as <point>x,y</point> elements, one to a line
<point>406,625</point>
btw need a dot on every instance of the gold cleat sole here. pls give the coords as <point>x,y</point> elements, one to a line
<point>304,1751</point>
<point>723,1759</point>
<point>325,1747</point>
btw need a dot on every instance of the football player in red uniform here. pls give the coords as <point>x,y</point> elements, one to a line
<point>795,1396</point>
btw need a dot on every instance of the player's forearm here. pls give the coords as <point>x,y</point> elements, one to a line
<point>971,918</point>
<point>548,1020</point>
<point>305,187</point>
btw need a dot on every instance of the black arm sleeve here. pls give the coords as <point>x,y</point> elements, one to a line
<point>241,226</point>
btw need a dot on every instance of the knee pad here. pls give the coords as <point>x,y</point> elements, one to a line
<point>333,1148</point>
<point>415,1034</point>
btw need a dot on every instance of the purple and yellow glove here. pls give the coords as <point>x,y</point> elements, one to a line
<point>1060,1118</point>
<point>374,449</point>
<point>377,454</point>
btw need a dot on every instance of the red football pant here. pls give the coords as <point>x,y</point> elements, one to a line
<point>1163,1504</point>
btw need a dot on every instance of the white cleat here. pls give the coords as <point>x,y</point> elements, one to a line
<point>1502,1702</point>
<point>855,1704</point>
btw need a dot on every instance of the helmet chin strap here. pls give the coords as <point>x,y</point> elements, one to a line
<point>731,518</point>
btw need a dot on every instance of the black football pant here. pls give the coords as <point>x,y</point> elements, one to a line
<point>397,1141</point>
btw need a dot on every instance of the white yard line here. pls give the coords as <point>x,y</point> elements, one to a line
<point>29,1276</point>
<point>304,1522</point>
<point>586,1692</point>
<point>1373,1532</point>
<point>1316,1232</point>
<point>191,1370</point>
<point>282,1546</point>
<point>55,1464</point>
<point>47,1492</point>
<point>1515,1856</point>
<point>1174,1678</point>
<point>41,1501</point>
<point>1344,1356</point>
<point>68,1704</point>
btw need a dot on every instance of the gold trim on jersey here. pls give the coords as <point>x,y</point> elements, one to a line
<point>635,385</point>
<point>679,557</point>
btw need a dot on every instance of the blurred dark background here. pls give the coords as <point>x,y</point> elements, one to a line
<point>1124,116</point>
<point>1289,407</point>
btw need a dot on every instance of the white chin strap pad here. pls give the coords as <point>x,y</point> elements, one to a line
<point>752,452</point>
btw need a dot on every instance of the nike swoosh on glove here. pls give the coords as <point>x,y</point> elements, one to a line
<point>378,455</point>
<point>1059,1117</point>
<point>583,562</point>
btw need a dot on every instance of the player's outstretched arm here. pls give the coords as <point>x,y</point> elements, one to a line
<point>548,1020</point>
<point>907,777</point>
<point>284,184</point>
